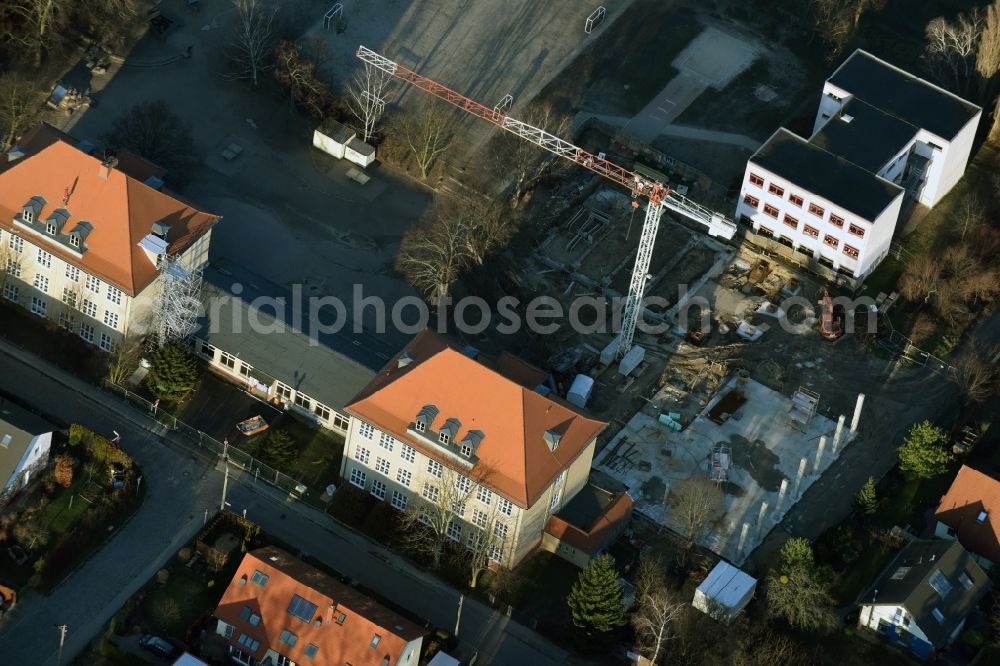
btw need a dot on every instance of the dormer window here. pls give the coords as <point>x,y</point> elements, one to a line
<point>444,437</point>
<point>449,431</point>
<point>420,426</point>
<point>981,518</point>
<point>28,215</point>
<point>425,418</point>
<point>50,229</point>
<point>466,450</point>
<point>74,240</point>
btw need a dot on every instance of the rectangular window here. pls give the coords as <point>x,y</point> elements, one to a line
<point>16,244</point>
<point>386,441</point>
<point>771,210</point>
<point>554,502</point>
<point>756,180</point>
<point>11,293</point>
<point>751,200</point>
<point>358,478</point>
<point>74,240</point>
<point>284,391</point>
<point>376,639</point>
<point>484,495</point>
<point>41,283</point>
<point>38,306</point>
<point>66,321</point>
<point>854,229</point>
<point>382,466</point>
<point>312,650</point>
<point>249,642</point>
<point>463,483</point>
<point>44,258</point>
<point>431,492</point>
<point>836,221</point>
<point>812,232</point>
<point>506,506</point>
<point>434,468</point>
<point>409,454</point>
<point>795,200</point>
<point>259,578</point>
<point>302,400</point>
<point>816,210</point>
<point>466,450</point>
<point>288,638</point>
<point>13,268</point>
<point>93,284</point>
<point>72,273</point>
<point>851,252</point>
<point>302,609</point>
<point>248,616</point>
<point>398,500</point>
<point>244,369</point>
<point>831,241</point>
<point>340,421</point>
<point>115,295</point>
<point>774,189</point>
<point>479,518</point>
<point>69,296</point>
<point>50,229</point>
<point>455,531</point>
<point>404,477</point>
<point>790,221</point>
<point>362,455</point>
<point>106,343</point>
<point>322,412</point>
<point>366,430</point>
<point>87,332</point>
<point>111,319</point>
<point>225,358</point>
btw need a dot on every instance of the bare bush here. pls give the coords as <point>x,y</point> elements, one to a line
<point>975,374</point>
<point>951,47</point>
<point>919,278</point>
<point>253,40</point>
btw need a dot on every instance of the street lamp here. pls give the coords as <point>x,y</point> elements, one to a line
<point>62,640</point>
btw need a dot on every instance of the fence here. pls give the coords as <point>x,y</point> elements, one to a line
<point>237,457</point>
<point>907,351</point>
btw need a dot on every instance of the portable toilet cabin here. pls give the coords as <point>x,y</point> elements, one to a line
<point>725,592</point>
<point>359,152</point>
<point>332,138</point>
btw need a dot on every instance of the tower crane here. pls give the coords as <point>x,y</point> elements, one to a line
<point>658,195</point>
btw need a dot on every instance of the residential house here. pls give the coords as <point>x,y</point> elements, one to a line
<point>257,334</point>
<point>439,415</point>
<point>921,600</point>
<point>25,441</point>
<point>82,237</point>
<point>280,611</point>
<point>587,524</point>
<point>970,512</point>
<point>8,599</point>
<point>881,137</point>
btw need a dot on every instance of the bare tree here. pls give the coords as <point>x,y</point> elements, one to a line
<point>976,373</point>
<point>152,130</point>
<point>483,227</point>
<point>799,596</point>
<point>988,51</point>
<point>31,533</point>
<point>657,610</point>
<point>69,303</point>
<point>432,256</point>
<point>19,101</point>
<point>295,69</point>
<point>38,19</point>
<point>520,163</point>
<point>7,256</point>
<point>121,361</point>
<point>252,41</point>
<point>838,20</point>
<point>425,133</point>
<point>951,46</point>
<point>920,277</point>
<point>485,542</point>
<point>366,97</point>
<point>763,646</point>
<point>696,503</point>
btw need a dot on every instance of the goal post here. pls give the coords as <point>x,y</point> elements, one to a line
<point>595,19</point>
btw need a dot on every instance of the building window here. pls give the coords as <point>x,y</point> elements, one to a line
<point>207,349</point>
<point>302,400</point>
<point>44,258</point>
<point>851,252</point>
<point>13,268</point>
<point>382,466</point>
<point>302,609</point>
<point>69,296</point>
<point>771,210</point>
<point>398,500</point>
<point>386,441</point>
<point>756,180</point>
<point>479,518</point>
<point>404,476</point>
<point>420,426</point>
<point>434,468</point>
<point>340,421</point>
<point>106,343</point>
<point>38,306</point>
<point>87,332</point>
<point>751,200</point>
<point>375,641</point>
<point>72,273</point>
<point>90,308</point>
<point>288,638</point>
<point>484,495</point>
<point>66,321</point>
<point>41,283</point>
<point>831,241</point>
<point>836,221</point>
<point>28,215</point>
<point>284,391</point>
<point>249,642</point>
<point>366,430</point>
<point>229,631</point>
<point>248,616</point>
<point>11,293</point>
<point>358,478</point>
<point>455,531</point>
<point>463,483</point>
<point>311,651</point>
<point>444,437</point>
<point>322,412</point>
<point>790,221</point>
<point>378,489</point>
<point>245,369</point>
<point>409,454</point>
<point>115,295</point>
<point>506,506</point>
<point>259,578</point>
<point>362,455</point>
<point>111,319</point>
<point>556,496</point>
<point>816,210</point>
<point>16,244</point>
<point>74,240</point>
<point>854,229</point>
<point>795,200</point>
<point>466,450</point>
<point>812,232</point>
<point>51,229</point>
<point>93,284</point>
<point>774,189</point>
<point>431,492</point>
<point>228,360</point>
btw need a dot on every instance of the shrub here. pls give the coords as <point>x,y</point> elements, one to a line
<point>64,471</point>
<point>173,373</point>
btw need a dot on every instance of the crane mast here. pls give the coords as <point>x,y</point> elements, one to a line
<point>659,196</point>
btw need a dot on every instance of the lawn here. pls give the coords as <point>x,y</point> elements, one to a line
<point>318,464</point>
<point>171,609</point>
<point>67,508</point>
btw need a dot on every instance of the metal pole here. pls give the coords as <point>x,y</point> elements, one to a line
<point>225,487</point>
<point>138,484</point>
<point>458,615</point>
<point>62,641</point>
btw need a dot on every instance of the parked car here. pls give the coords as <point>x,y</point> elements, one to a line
<point>157,645</point>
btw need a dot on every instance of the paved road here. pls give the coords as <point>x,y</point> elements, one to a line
<point>678,95</point>
<point>677,131</point>
<point>181,485</point>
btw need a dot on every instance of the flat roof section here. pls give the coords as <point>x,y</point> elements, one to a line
<point>864,135</point>
<point>826,175</point>
<point>903,95</point>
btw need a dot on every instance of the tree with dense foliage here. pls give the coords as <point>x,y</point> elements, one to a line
<point>595,600</point>
<point>924,453</point>
<point>173,373</point>
<point>798,591</point>
<point>867,499</point>
<point>19,102</point>
<point>153,131</point>
<point>64,471</point>
<point>278,449</point>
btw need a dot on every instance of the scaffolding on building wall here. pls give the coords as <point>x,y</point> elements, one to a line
<point>178,306</point>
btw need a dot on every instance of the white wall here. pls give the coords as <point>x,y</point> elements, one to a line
<point>411,653</point>
<point>828,106</point>
<point>949,163</point>
<point>870,616</point>
<point>35,456</point>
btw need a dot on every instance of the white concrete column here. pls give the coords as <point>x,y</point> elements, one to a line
<point>743,538</point>
<point>798,477</point>
<point>857,413</point>
<point>782,491</point>
<point>819,454</point>
<point>837,434</point>
<point>760,518</point>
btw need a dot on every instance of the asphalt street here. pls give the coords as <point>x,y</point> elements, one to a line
<point>181,486</point>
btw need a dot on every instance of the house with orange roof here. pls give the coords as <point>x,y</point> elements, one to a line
<point>278,610</point>
<point>970,513</point>
<point>487,437</point>
<point>82,238</point>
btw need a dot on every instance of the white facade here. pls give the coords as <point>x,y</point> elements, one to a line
<point>34,458</point>
<point>814,226</point>
<point>876,615</point>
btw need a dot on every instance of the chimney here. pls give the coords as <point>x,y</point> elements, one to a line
<point>160,229</point>
<point>109,162</point>
<point>404,360</point>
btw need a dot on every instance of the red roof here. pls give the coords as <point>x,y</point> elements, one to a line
<point>598,535</point>
<point>338,641</point>
<point>120,208</point>
<point>971,495</point>
<point>513,417</point>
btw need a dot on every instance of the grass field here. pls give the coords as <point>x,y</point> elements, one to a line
<point>187,598</point>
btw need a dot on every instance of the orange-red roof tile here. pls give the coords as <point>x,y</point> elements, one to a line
<point>514,458</point>
<point>970,494</point>
<point>121,209</point>
<point>598,535</point>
